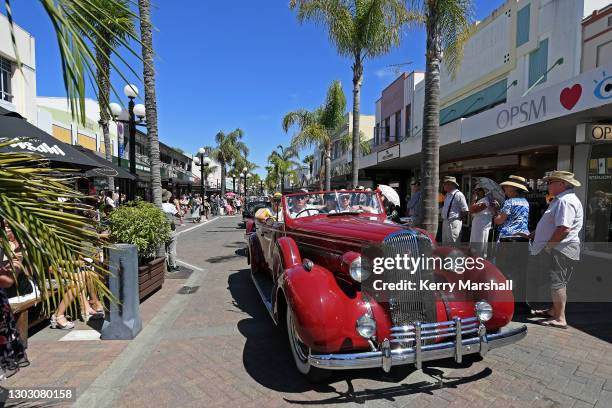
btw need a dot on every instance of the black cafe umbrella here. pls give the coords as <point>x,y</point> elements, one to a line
<point>30,139</point>
<point>104,168</point>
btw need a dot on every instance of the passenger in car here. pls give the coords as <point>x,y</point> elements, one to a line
<point>331,206</point>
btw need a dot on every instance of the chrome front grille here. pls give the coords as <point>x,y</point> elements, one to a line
<point>409,306</point>
<point>406,336</point>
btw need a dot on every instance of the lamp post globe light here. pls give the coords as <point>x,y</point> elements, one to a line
<point>129,117</point>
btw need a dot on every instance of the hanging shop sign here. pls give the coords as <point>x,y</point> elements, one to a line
<point>390,153</point>
<point>585,91</point>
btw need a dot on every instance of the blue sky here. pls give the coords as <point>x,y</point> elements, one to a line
<point>223,65</point>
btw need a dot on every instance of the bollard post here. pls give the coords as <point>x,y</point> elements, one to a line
<point>124,318</point>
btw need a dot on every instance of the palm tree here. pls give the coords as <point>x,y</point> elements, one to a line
<point>309,161</point>
<point>110,22</point>
<point>448,25</point>
<point>148,72</point>
<point>238,166</point>
<point>318,127</point>
<point>52,236</point>
<point>283,164</point>
<point>229,148</point>
<point>346,143</point>
<point>359,29</point>
<point>271,180</point>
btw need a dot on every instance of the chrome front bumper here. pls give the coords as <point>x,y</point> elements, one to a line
<point>386,357</point>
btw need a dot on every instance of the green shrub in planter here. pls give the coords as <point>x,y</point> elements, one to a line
<point>141,224</point>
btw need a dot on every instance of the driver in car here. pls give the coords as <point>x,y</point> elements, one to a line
<point>299,205</point>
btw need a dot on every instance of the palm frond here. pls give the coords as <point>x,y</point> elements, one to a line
<point>456,28</point>
<point>54,236</point>
<point>74,32</point>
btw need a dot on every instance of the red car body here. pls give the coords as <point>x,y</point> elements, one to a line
<point>301,267</point>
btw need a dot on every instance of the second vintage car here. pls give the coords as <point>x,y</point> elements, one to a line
<point>311,262</point>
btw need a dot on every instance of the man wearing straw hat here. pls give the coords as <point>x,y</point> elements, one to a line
<point>454,209</point>
<point>556,243</point>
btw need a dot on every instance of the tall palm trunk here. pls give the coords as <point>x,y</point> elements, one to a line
<point>430,150</point>
<point>103,53</point>
<point>144,8</point>
<point>223,175</point>
<point>328,167</point>
<point>357,81</point>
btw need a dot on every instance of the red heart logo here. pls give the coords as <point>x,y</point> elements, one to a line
<point>570,96</point>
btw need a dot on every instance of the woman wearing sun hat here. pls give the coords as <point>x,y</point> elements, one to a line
<point>513,239</point>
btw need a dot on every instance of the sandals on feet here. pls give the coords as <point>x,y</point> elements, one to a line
<point>552,323</point>
<point>540,313</point>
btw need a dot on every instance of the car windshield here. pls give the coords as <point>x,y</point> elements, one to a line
<point>333,202</point>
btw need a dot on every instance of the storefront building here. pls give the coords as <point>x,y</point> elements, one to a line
<point>515,103</point>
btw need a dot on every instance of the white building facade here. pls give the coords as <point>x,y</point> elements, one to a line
<point>17,85</point>
<point>54,117</point>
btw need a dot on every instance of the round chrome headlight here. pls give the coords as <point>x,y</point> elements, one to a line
<point>356,272</point>
<point>484,311</point>
<point>366,326</point>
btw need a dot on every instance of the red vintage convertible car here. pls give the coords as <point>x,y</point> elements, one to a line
<point>306,262</point>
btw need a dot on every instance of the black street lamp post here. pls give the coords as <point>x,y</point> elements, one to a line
<point>129,118</point>
<point>203,161</point>
<point>233,176</point>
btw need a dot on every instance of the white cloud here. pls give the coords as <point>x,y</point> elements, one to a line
<point>383,73</point>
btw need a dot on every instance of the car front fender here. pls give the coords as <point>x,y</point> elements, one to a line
<point>325,313</point>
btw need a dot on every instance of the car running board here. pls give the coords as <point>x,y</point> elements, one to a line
<point>264,286</point>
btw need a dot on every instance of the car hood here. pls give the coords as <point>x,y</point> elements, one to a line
<point>348,227</point>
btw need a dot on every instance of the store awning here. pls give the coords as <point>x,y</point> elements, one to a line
<point>104,168</point>
<point>30,139</point>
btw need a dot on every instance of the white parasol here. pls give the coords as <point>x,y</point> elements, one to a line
<point>492,189</point>
<point>389,193</point>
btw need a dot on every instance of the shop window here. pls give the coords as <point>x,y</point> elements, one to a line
<point>522,25</point>
<point>599,195</point>
<point>407,130</point>
<point>6,72</point>
<point>387,129</point>
<point>398,126</point>
<point>538,64</point>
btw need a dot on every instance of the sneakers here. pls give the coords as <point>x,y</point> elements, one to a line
<point>174,268</point>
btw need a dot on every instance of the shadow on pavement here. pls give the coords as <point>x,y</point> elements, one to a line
<point>589,317</point>
<point>268,360</point>
<point>235,244</point>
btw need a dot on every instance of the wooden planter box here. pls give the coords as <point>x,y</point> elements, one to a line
<point>151,276</point>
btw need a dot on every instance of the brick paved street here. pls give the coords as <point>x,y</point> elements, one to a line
<point>218,347</point>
